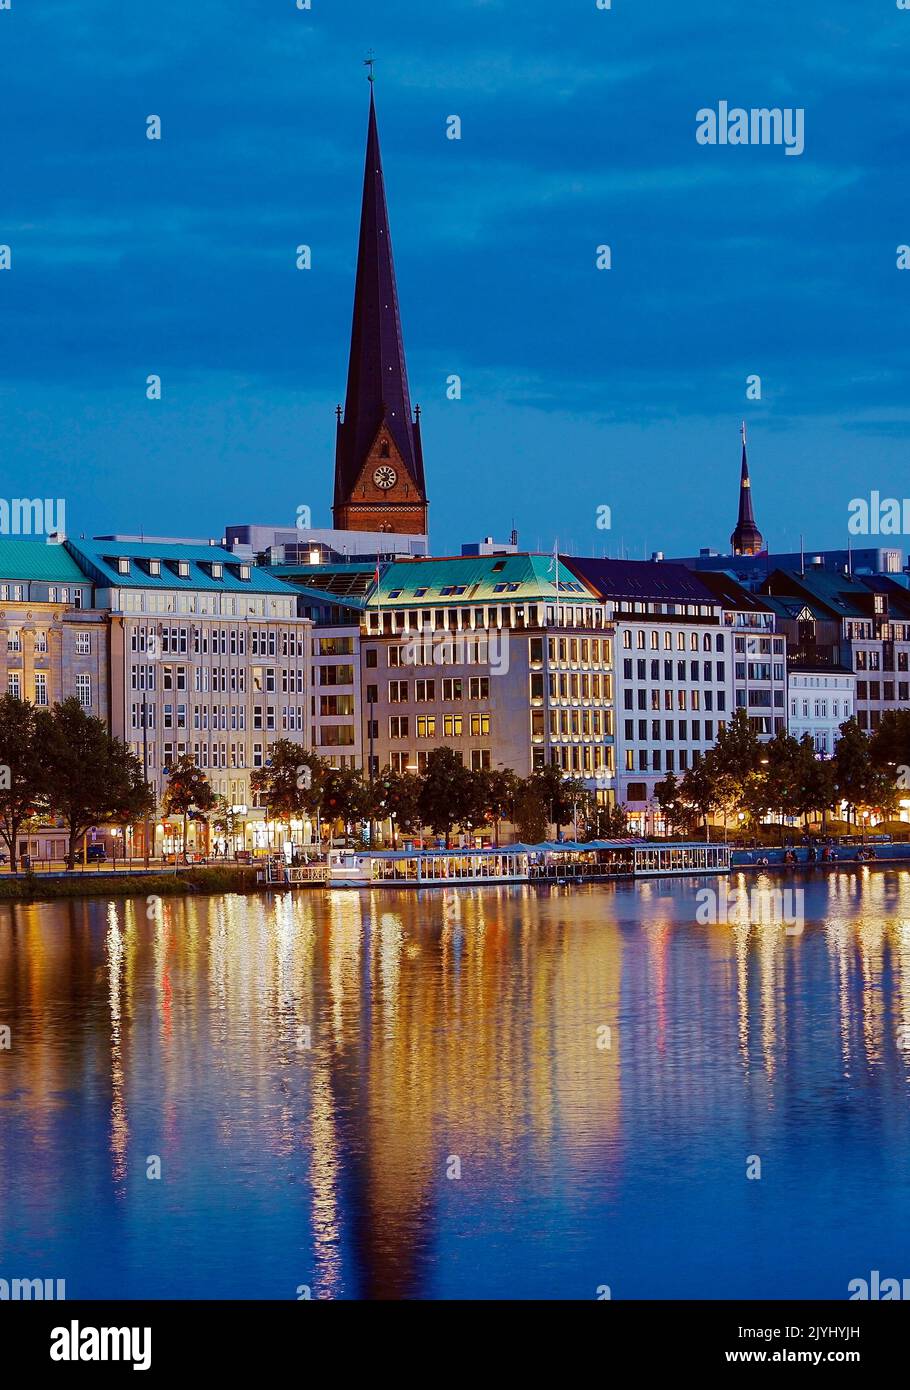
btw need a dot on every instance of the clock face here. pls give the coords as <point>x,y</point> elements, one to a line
<point>385,477</point>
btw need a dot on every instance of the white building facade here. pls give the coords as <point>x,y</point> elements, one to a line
<point>819,702</point>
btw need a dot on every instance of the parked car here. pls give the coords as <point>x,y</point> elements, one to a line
<point>95,854</point>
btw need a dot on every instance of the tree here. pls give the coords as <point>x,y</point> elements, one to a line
<point>474,809</point>
<point>188,790</point>
<point>603,822</point>
<point>559,794</point>
<point>890,744</point>
<point>346,796</point>
<point>224,820</point>
<point>23,777</point>
<point>696,790</point>
<point>731,763</point>
<point>813,788</point>
<point>781,773</point>
<point>91,776</point>
<point>292,783</point>
<point>853,765</point>
<point>530,812</point>
<point>611,822</point>
<point>446,794</point>
<point>670,799</point>
<point>396,798</point>
<point>501,787</point>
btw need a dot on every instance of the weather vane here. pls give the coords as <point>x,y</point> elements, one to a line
<point>368,63</point>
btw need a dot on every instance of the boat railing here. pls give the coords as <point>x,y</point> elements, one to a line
<point>290,874</point>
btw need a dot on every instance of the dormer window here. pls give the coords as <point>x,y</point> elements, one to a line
<point>154,567</point>
<point>183,569</point>
<point>244,571</point>
<point>123,565</point>
<point>217,569</point>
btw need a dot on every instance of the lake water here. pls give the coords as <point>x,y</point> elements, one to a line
<point>501,1092</point>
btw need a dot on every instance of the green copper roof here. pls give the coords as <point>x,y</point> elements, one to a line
<point>477,578</point>
<point>101,556</point>
<point>35,559</point>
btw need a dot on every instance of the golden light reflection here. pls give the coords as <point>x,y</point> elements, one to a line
<point>119,1124</point>
<point>339,1047</point>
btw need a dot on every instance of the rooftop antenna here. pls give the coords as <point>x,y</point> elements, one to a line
<point>802,557</point>
<point>849,558</point>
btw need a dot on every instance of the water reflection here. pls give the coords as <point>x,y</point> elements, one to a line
<point>312,1069</point>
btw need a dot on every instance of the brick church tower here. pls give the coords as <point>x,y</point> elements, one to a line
<point>379,481</point>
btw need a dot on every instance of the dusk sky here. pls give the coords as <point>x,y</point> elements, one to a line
<point>581,388</point>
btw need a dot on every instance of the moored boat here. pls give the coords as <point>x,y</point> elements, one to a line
<point>554,861</point>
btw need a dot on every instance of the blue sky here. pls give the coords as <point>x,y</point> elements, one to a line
<point>580,388</point>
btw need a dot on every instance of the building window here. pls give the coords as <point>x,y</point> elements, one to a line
<point>13,684</point>
<point>84,691</point>
<point>40,688</point>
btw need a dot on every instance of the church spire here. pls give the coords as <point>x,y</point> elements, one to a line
<point>746,539</point>
<point>379,481</point>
